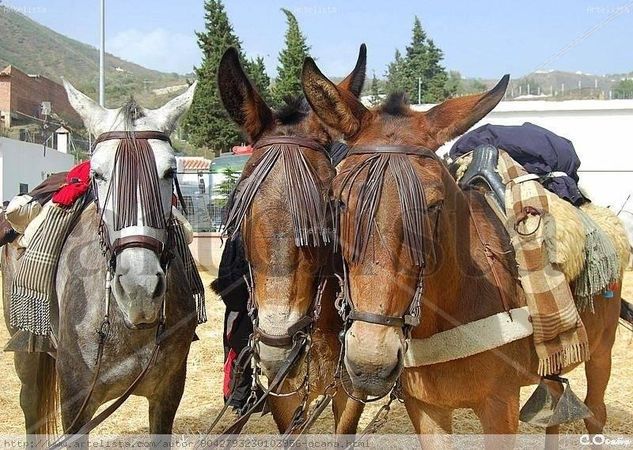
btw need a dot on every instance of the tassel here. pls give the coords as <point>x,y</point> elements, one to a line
<point>602,265</point>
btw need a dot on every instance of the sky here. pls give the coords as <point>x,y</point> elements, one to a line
<point>485,38</point>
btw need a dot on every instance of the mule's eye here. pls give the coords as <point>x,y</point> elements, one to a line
<point>170,174</point>
<point>98,176</point>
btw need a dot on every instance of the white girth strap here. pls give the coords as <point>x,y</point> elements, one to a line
<point>469,339</point>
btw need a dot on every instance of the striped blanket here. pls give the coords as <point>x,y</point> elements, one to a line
<point>33,287</point>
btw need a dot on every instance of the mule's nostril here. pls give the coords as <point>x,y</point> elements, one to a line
<point>160,286</point>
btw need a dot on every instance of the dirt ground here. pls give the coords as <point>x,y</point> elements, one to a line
<point>203,392</point>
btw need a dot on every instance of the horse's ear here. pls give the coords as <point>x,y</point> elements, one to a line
<point>356,79</point>
<point>167,116</point>
<point>337,108</point>
<point>243,103</point>
<point>92,114</point>
<point>453,117</point>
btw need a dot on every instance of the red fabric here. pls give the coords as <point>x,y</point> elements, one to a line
<point>228,371</point>
<point>77,183</point>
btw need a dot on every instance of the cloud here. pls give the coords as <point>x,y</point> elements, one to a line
<point>157,49</point>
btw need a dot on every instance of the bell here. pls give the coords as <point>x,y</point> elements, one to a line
<point>543,410</point>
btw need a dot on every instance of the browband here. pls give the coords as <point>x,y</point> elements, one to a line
<point>150,134</point>
<point>396,149</point>
<point>289,140</point>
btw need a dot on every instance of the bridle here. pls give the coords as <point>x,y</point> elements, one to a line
<point>156,237</point>
<point>412,316</point>
<point>299,333</point>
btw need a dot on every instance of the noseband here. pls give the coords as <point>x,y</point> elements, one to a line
<point>134,174</point>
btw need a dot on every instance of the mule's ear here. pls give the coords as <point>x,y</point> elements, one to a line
<point>356,79</point>
<point>337,108</point>
<point>167,116</point>
<point>92,114</point>
<point>453,117</point>
<point>243,103</point>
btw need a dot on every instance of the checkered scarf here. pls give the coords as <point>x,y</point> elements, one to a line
<point>559,335</point>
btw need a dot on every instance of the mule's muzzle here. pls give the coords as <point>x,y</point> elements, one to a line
<point>373,357</point>
<point>139,287</point>
<point>371,379</point>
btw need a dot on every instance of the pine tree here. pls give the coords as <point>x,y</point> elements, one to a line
<point>396,74</point>
<point>374,98</point>
<point>257,70</point>
<point>420,73</point>
<point>288,82</point>
<point>206,123</point>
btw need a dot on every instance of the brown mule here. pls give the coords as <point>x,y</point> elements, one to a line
<point>281,214</point>
<point>459,285</point>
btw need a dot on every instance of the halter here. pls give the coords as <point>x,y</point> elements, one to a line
<point>132,235</point>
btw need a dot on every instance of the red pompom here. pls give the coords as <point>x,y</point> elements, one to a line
<point>77,183</point>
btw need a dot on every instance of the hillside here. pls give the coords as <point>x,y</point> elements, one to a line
<point>35,48</point>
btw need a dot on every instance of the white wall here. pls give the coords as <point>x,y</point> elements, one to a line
<point>601,131</point>
<point>23,162</point>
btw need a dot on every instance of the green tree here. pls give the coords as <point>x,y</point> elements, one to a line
<point>257,70</point>
<point>226,186</point>
<point>420,73</point>
<point>396,74</point>
<point>374,92</point>
<point>288,82</point>
<point>623,89</point>
<point>206,123</point>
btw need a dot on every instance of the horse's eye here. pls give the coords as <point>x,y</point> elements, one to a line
<point>98,176</point>
<point>436,207</point>
<point>170,174</point>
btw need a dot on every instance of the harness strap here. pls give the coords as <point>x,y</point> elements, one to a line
<point>399,149</point>
<point>290,140</point>
<point>69,439</point>
<point>136,241</point>
<point>280,377</point>
<point>282,340</point>
<point>378,319</point>
<point>491,259</point>
<point>149,134</point>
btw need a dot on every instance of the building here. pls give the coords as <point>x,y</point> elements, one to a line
<point>600,131</point>
<point>23,96</point>
<point>24,165</point>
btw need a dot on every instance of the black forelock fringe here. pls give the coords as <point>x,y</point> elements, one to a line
<point>396,104</point>
<point>293,111</point>
<point>132,111</point>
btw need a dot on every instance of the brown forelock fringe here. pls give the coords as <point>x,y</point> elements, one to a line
<point>307,196</point>
<point>369,175</point>
<point>137,179</point>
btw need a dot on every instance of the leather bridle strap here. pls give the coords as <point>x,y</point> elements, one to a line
<point>282,340</point>
<point>378,319</point>
<point>137,241</point>
<point>393,149</point>
<point>149,134</point>
<point>289,140</point>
